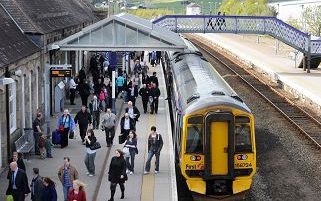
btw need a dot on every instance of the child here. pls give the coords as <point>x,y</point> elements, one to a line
<point>42,146</point>
<point>48,145</point>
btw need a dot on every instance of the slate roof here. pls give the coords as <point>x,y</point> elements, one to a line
<point>14,45</point>
<point>46,16</point>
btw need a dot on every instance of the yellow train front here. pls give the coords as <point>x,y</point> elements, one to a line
<point>213,128</point>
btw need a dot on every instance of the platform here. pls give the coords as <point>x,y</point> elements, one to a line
<point>151,187</point>
<point>160,187</point>
<point>279,67</point>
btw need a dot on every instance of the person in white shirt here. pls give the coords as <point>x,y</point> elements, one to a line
<point>133,112</point>
<point>72,90</point>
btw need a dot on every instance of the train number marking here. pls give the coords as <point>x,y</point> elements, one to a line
<point>241,165</point>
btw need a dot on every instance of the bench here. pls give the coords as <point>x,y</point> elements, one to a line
<point>25,143</point>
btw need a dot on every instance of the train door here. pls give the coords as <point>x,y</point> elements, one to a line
<point>219,150</point>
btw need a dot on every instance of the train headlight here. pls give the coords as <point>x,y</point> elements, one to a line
<point>195,158</point>
<point>242,157</point>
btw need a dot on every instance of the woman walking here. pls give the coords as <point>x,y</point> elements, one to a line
<point>117,174</point>
<point>65,125</point>
<point>131,145</point>
<point>77,193</point>
<point>49,192</point>
<point>90,139</point>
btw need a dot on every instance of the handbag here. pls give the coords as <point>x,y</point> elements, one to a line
<point>136,150</point>
<point>122,138</point>
<point>71,135</point>
<point>126,152</point>
<point>61,128</point>
<point>9,198</point>
<point>95,146</point>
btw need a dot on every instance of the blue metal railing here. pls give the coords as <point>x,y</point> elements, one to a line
<point>241,25</point>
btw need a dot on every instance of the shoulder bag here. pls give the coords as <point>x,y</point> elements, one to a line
<point>95,146</point>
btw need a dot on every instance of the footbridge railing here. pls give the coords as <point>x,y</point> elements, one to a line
<point>243,25</point>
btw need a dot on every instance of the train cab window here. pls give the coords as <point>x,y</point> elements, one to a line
<point>194,139</point>
<point>243,138</point>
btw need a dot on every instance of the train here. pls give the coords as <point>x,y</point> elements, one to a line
<point>213,129</point>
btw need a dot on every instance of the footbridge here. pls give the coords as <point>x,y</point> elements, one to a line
<point>263,25</point>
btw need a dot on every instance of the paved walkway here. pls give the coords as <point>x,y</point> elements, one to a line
<point>160,187</point>
<point>278,66</point>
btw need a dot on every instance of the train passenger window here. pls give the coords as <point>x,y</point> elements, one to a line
<point>194,139</point>
<point>243,138</point>
<point>195,120</point>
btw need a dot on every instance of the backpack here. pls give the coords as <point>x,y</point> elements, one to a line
<point>101,96</point>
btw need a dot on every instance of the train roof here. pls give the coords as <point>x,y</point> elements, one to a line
<point>198,83</point>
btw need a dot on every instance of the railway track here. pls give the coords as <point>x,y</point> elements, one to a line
<point>304,122</point>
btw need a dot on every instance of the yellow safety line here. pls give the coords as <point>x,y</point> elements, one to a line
<point>148,183</point>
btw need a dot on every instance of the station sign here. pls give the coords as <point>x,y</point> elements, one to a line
<point>61,70</point>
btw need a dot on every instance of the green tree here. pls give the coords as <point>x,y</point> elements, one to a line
<point>247,7</point>
<point>312,20</point>
<point>294,22</point>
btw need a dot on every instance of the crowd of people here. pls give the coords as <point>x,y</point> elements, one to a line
<point>93,115</point>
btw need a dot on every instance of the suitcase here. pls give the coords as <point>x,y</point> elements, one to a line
<point>56,138</point>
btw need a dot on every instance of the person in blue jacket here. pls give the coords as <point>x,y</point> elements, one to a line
<point>65,125</point>
<point>49,192</point>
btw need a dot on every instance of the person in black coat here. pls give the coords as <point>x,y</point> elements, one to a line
<point>17,158</point>
<point>144,93</point>
<point>117,174</point>
<point>49,192</point>
<point>36,186</point>
<point>18,183</point>
<point>84,92</point>
<point>132,91</point>
<point>83,118</point>
<point>132,111</point>
<point>154,79</point>
<point>126,124</point>
<point>154,93</point>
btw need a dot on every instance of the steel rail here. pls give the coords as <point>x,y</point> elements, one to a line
<point>282,104</point>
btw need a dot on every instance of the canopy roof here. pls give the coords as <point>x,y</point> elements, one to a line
<point>123,32</point>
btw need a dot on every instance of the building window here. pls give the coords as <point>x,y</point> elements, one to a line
<point>12,107</point>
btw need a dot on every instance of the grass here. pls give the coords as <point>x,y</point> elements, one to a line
<point>178,8</point>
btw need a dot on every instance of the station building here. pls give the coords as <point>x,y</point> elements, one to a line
<point>28,30</point>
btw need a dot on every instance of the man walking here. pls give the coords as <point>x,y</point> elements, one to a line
<point>67,174</point>
<point>72,90</point>
<point>95,107</point>
<point>133,112</point>
<point>132,91</point>
<point>109,123</point>
<point>155,145</point>
<point>18,183</point>
<point>126,124</point>
<point>37,132</point>
<point>83,118</point>
<point>36,186</point>
<point>154,93</point>
<point>144,93</point>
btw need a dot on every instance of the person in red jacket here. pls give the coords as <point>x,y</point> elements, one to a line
<point>77,193</point>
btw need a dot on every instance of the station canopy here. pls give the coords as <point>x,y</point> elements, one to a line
<point>123,32</point>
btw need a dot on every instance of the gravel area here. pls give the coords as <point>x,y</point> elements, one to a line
<point>288,166</point>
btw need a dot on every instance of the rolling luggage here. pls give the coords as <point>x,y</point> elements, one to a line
<point>56,137</point>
